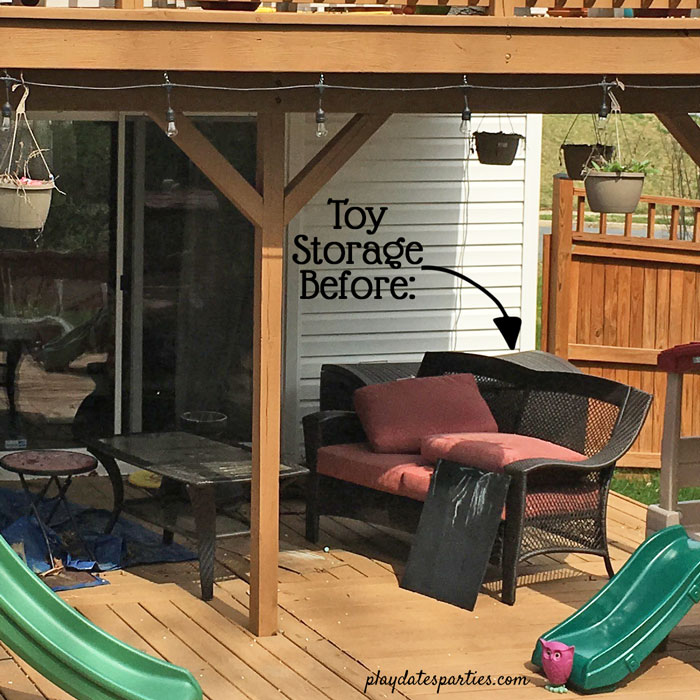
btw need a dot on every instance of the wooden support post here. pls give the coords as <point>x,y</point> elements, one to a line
<point>560,272</point>
<point>221,173</point>
<point>684,129</point>
<point>329,160</point>
<point>675,212</point>
<point>581,214</point>
<point>267,369</point>
<point>651,220</point>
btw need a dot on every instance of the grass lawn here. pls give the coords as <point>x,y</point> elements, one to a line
<point>643,485</point>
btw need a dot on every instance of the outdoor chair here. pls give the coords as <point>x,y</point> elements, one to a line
<point>552,506</point>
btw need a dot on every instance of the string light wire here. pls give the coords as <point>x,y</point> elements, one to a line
<point>322,85</point>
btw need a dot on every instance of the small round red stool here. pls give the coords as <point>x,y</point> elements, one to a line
<point>51,464</point>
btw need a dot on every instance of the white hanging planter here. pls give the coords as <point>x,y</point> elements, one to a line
<point>25,205</point>
<point>24,202</point>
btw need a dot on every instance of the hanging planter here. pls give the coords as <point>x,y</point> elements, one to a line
<point>578,156</point>
<point>613,192</point>
<point>24,201</point>
<point>614,186</point>
<point>496,148</point>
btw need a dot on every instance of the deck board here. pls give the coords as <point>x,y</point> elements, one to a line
<point>343,617</point>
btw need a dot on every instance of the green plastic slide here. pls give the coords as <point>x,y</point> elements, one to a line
<point>633,613</point>
<point>69,650</point>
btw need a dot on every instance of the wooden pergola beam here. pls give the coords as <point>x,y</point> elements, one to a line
<point>329,160</point>
<point>267,374</point>
<point>212,164</point>
<point>686,98</point>
<point>685,130</point>
<point>152,39</point>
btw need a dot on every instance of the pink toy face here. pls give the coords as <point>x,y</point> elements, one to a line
<point>557,661</point>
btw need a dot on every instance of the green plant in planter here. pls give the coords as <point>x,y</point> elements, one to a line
<point>615,186</point>
<point>631,166</point>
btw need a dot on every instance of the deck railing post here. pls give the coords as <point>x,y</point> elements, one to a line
<point>560,271</point>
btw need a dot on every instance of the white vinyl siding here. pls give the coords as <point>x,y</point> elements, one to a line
<point>480,220</point>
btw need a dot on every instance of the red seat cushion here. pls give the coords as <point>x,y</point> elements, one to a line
<point>400,474</point>
<point>492,451</point>
<point>396,415</point>
<point>409,476</point>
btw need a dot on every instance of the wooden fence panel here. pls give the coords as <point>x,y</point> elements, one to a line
<point>614,297</point>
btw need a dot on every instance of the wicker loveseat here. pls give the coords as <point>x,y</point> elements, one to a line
<point>553,504</point>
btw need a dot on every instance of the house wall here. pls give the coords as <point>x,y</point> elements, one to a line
<point>481,220</point>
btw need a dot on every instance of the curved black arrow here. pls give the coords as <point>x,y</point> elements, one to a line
<point>509,326</point>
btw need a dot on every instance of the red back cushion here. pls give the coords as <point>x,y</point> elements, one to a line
<point>396,415</point>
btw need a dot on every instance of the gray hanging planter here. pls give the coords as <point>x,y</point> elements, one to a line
<point>612,192</point>
<point>25,205</point>
<point>24,201</point>
<point>496,148</point>
<point>578,156</point>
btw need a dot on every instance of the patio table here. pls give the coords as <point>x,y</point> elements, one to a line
<point>207,469</point>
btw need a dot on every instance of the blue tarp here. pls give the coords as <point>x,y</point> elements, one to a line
<point>129,543</point>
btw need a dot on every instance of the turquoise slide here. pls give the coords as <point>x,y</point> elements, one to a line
<point>633,613</point>
<point>69,650</point>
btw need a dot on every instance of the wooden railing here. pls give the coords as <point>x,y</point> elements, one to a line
<point>612,299</point>
<point>559,8</point>
<point>677,219</point>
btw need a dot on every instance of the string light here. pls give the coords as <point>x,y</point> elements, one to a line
<point>466,124</point>
<point>321,129</point>
<point>171,128</point>
<point>604,111</point>
<point>353,88</point>
<point>6,113</point>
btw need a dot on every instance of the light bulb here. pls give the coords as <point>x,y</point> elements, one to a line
<point>171,129</point>
<point>604,111</point>
<point>321,129</point>
<point>6,122</point>
<point>465,126</point>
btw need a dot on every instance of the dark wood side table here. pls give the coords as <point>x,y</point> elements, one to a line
<point>205,468</point>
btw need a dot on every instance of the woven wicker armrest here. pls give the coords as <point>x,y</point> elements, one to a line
<point>528,466</point>
<point>330,428</point>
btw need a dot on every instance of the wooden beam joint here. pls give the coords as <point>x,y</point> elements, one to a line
<point>685,130</point>
<point>217,168</point>
<point>329,160</point>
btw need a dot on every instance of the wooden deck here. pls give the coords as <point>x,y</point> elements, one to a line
<point>343,617</point>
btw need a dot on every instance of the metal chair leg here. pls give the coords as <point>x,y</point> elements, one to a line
<point>609,566</point>
<point>33,501</point>
<point>513,532</point>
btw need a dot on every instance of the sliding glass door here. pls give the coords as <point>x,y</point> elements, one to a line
<point>188,281</point>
